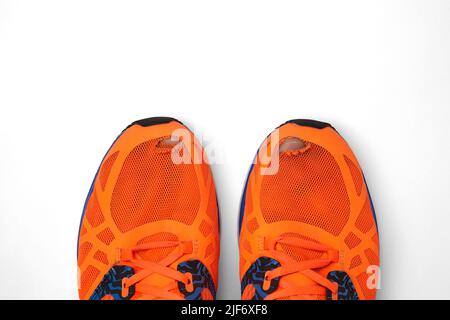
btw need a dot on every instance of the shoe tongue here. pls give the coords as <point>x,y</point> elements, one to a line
<point>156,255</point>
<point>299,254</point>
<point>299,280</point>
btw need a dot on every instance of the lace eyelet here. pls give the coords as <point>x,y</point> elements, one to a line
<point>125,288</point>
<point>189,283</point>
<point>267,282</point>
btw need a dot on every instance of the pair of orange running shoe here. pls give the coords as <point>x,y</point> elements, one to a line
<point>150,225</point>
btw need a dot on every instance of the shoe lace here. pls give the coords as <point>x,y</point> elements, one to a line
<point>307,267</point>
<point>145,268</point>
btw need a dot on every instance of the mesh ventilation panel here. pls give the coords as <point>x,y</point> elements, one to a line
<point>365,221</point>
<point>356,262</point>
<point>252,225</point>
<point>151,188</point>
<point>106,236</point>
<point>369,293</point>
<point>308,188</point>
<point>83,251</point>
<point>87,278</point>
<point>372,257</point>
<point>205,228</point>
<point>102,257</point>
<point>352,240</point>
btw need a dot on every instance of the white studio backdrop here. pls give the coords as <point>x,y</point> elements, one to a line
<point>73,74</point>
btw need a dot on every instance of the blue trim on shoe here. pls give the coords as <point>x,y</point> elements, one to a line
<point>244,196</point>
<point>91,189</point>
<point>371,203</point>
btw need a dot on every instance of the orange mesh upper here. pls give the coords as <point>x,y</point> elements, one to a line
<point>209,250</point>
<point>372,257</point>
<point>205,228</point>
<point>252,225</point>
<point>106,236</point>
<point>93,212</point>
<point>308,188</point>
<point>83,231</point>
<point>365,221</point>
<point>83,251</point>
<point>247,246</point>
<point>375,239</point>
<point>318,194</point>
<point>369,293</point>
<point>151,187</point>
<point>356,262</point>
<point>351,240</point>
<point>88,277</point>
<point>141,196</point>
<point>101,256</point>
<point>242,261</point>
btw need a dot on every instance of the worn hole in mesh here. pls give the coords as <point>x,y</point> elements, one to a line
<point>168,142</point>
<point>291,144</point>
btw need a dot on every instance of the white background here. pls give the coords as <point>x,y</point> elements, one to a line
<point>73,74</point>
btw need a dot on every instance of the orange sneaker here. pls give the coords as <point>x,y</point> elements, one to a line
<point>150,225</point>
<point>307,224</point>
